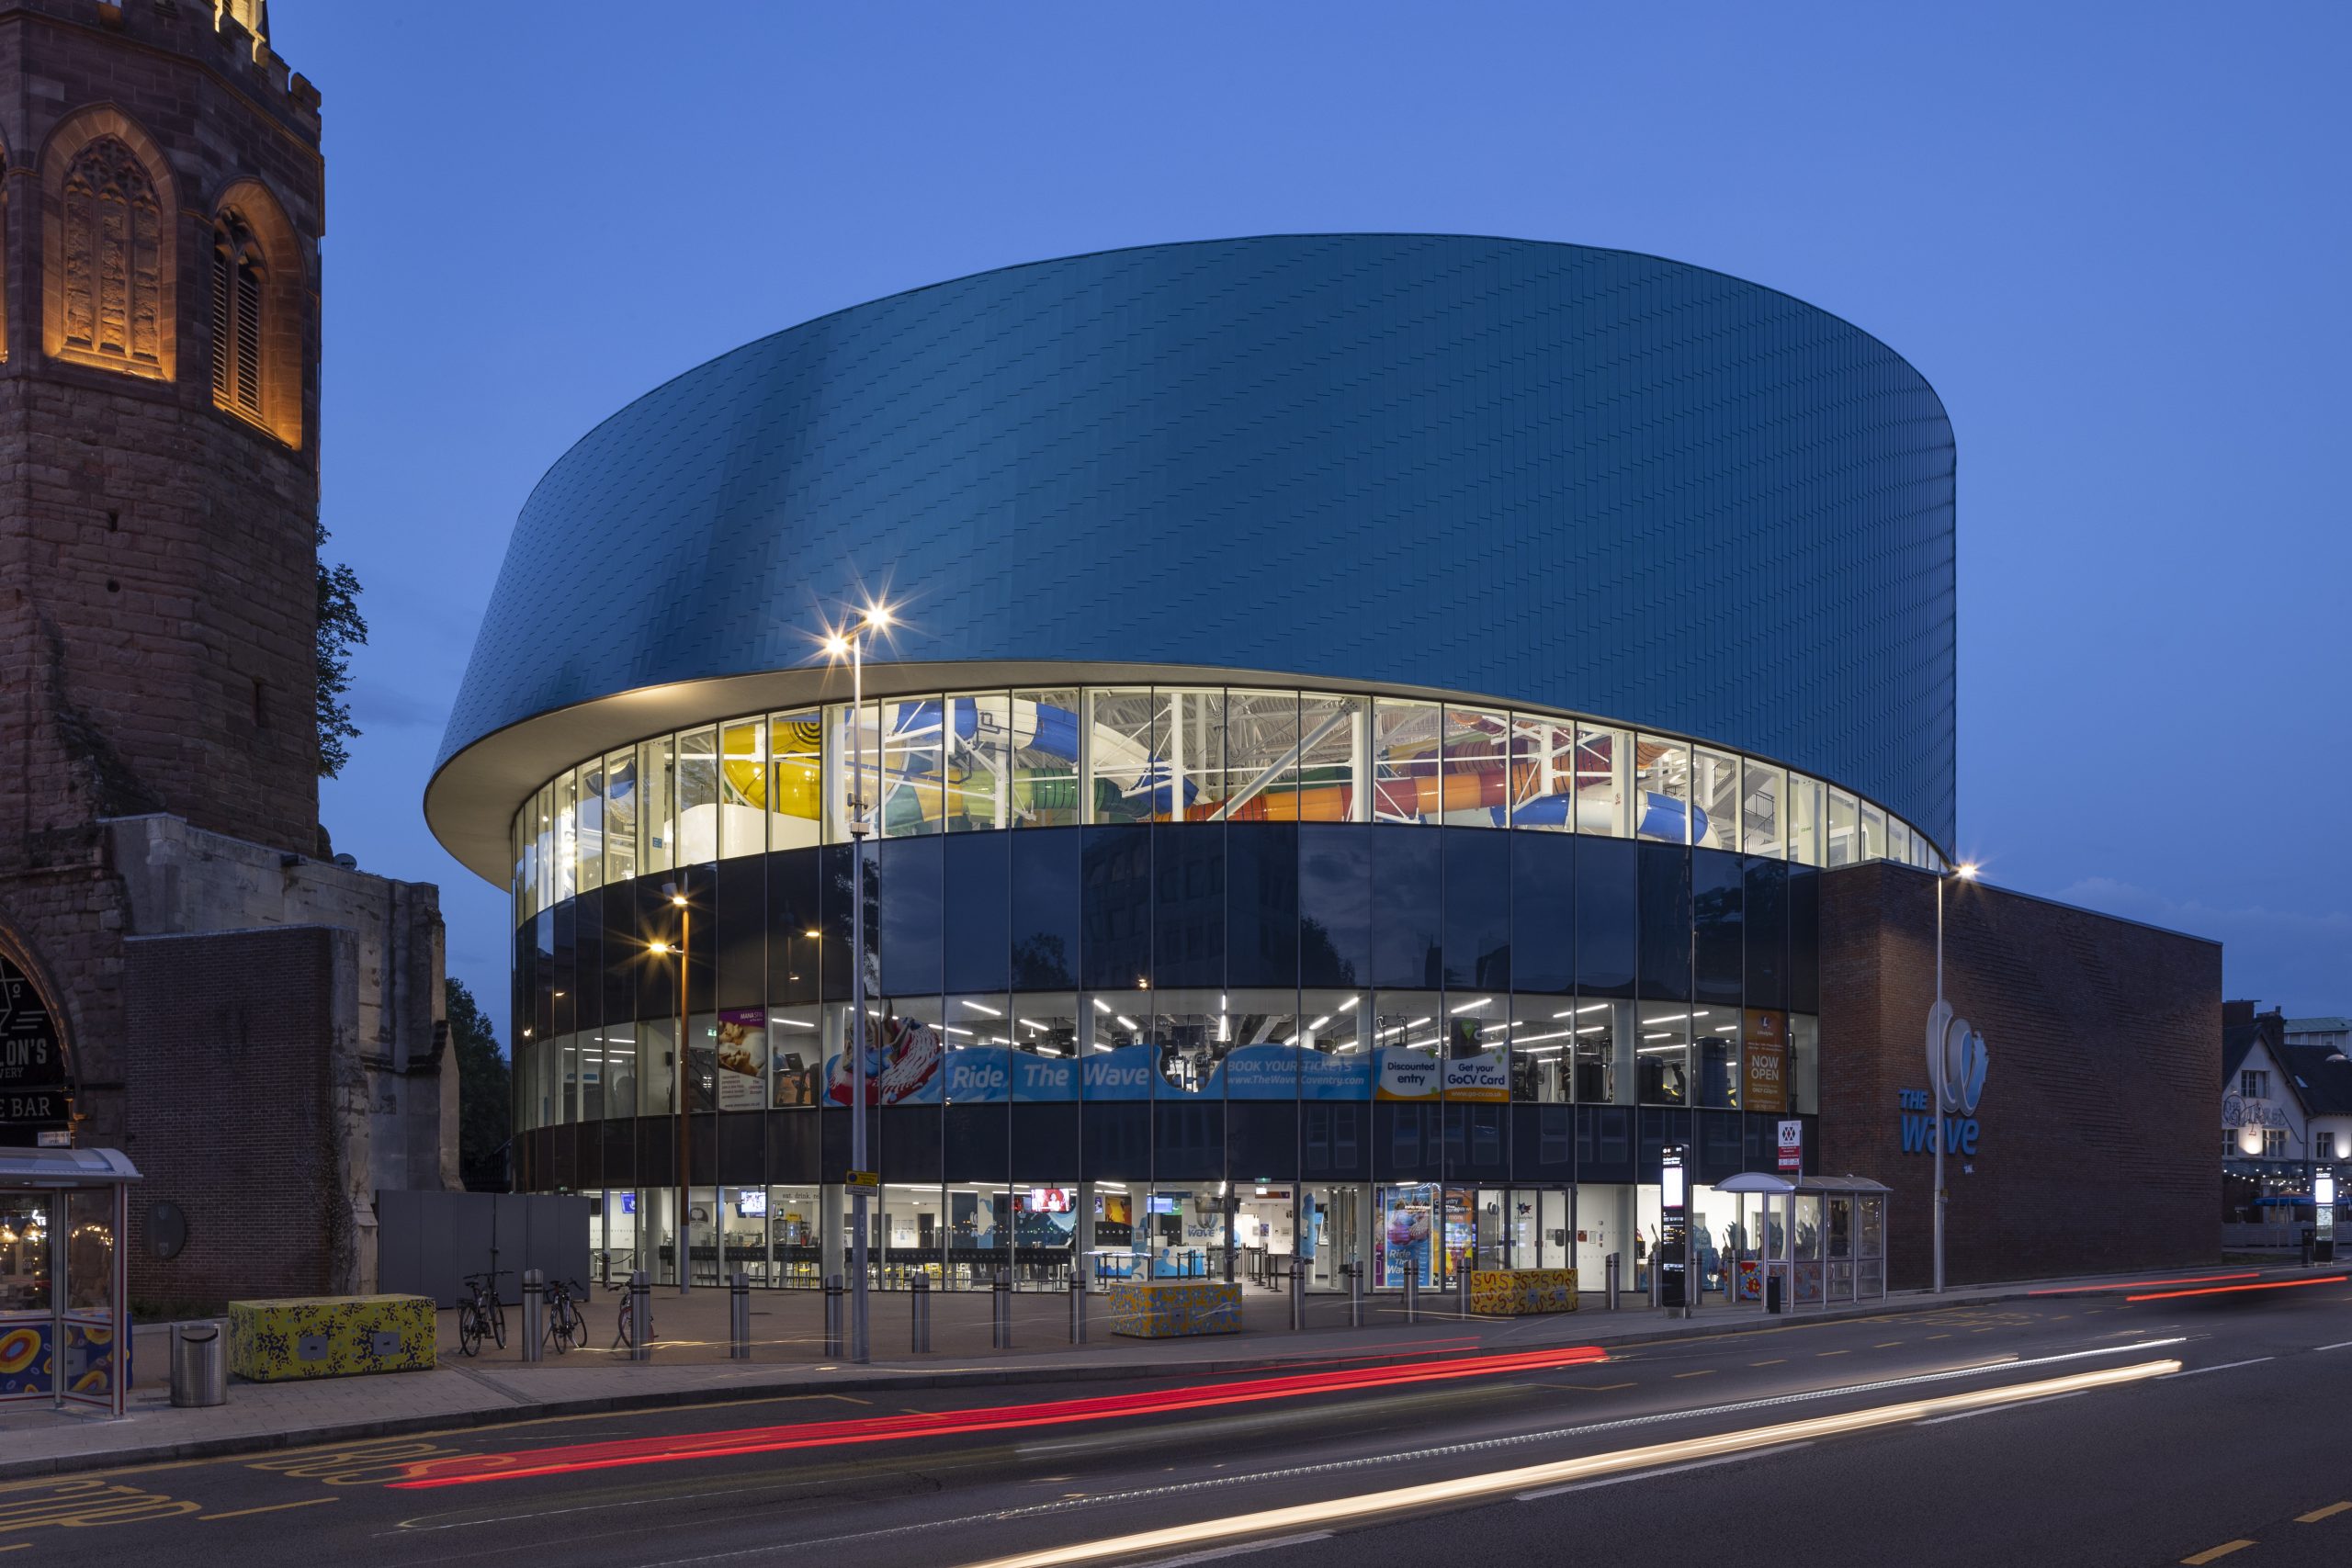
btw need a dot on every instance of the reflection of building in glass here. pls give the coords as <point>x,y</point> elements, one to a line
<point>1374,721</point>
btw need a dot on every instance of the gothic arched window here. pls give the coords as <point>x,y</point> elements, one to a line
<point>113,282</point>
<point>237,289</point>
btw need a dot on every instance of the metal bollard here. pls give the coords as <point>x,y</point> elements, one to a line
<point>1000,1310</point>
<point>1297,1295</point>
<point>535,1315</point>
<point>919,1291</point>
<point>739,1318</point>
<point>1462,1293</point>
<point>1355,1272</point>
<point>1658,1286</point>
<point>1608,1273</point>
<point>1412,1294</point>
<point>832,1317</point>
<point>1076,1308</point>
<point>640,1317</point>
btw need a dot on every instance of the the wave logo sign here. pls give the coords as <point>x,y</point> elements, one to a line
<point>1957,1060</point>
<point>1919,1126</point>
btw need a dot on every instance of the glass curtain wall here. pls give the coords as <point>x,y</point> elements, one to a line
<point>968,761</point>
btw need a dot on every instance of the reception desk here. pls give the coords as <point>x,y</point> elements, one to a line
<point>1172,1308</point>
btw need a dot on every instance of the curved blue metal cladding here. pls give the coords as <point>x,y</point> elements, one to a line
<point>1583,478</point>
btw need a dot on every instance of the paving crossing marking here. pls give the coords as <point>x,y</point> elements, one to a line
<point>2318,1514</point>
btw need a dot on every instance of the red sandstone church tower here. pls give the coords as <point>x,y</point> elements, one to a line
<point>183,972</point>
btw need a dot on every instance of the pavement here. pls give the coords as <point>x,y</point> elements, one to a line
<point>2129,1425</point>
<point>691,1366</point>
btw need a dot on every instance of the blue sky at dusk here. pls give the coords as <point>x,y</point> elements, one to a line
<point>2114,238</point>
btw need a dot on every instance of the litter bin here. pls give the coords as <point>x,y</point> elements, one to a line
<point>199,1365</point>
<point>2309,1245</point>
<point>1772,1294</point>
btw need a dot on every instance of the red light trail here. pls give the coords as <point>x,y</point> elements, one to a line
<point>2232,1290</point>
<point>2143,1284</point>
<point>472,1468</point>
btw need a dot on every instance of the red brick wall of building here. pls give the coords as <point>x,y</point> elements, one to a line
<point>2095,1148</point>
<point>231,1041</point>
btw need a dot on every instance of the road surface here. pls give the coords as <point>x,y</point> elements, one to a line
<point>2085,1429</point>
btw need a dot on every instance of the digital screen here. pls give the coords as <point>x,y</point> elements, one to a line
<point>1670,1194</point>
<point>1158,1204</point>
<point>628,1202</point>
<point>752,1204</point>
<point>1052,1200</point>
<point>2323,1187</point>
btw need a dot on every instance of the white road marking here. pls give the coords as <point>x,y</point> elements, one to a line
<point>2339,1344</point>
<point>1238,1551</point>
<point>1669,1470</point>
<point>2224,1365</point>
<point>1940,1420</point>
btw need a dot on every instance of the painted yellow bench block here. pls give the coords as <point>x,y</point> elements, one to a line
<point>1514,1293</point>
<point>329,1337</point>
<point>1172,1308</point>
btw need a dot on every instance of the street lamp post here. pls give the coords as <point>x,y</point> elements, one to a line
<point>851,643</point>
<point>1966,869</point>
<point>686,1087</point>
<point>684,1066</point>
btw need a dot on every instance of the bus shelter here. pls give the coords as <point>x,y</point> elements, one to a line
<point>1818,1239</point>
<point>65,1276</point>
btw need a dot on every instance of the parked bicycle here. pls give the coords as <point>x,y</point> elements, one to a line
<point>480,1314</point>
<point>566,1327</point>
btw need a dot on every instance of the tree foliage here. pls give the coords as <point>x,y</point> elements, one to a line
<point>341,629</point>
<point>485,1094</point>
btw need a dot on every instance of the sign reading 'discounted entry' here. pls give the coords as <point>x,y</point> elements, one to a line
<point>32,1063</point>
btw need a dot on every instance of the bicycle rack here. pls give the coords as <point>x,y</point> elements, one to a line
<point>535,1315</point>
<point>739,1318</point>
<point>640,1317</point>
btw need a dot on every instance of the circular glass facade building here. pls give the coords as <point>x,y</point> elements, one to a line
<point>1350,780</point>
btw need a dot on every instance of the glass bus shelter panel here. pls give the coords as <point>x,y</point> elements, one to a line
<point>1870,1256</point>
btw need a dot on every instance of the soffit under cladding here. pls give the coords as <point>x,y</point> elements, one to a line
<point>1583,480</point>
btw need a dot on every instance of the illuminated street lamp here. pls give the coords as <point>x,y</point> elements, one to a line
<point>685,1057</point>
<point>1940,1018</point>
<point>849,642</point>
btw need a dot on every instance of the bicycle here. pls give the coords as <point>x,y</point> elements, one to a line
<point>566,1327</point>
<point>479,1312</point>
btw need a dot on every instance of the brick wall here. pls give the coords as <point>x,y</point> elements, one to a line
<point>2096,1144</point>
<point>232,1042</point>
